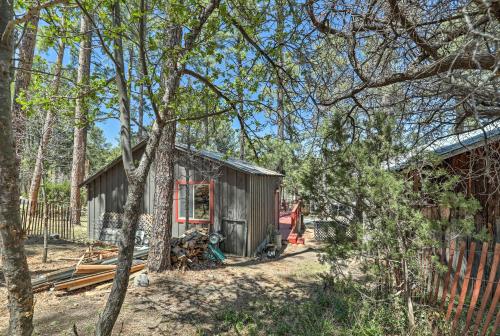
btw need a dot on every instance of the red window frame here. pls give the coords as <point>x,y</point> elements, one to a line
<point>211,202</point>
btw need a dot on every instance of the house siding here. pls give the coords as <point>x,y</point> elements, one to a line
<point>262,209</point>
<point>238,196</point>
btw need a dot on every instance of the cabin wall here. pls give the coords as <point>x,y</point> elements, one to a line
<point>108,193</point>
<point>480,178</point>
<point>262,209</point>
<point>238,198</point>
<point>229,198</point>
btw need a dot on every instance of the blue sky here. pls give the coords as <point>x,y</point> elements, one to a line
<point>111,126</point>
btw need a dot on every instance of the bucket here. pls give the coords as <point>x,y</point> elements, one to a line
<point>277,241</point>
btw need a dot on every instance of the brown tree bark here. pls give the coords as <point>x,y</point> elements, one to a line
<point>159,246</point>
<point>136,176</point>
<point>140,112</point>
<point>80,131</point>
<point>46,133</point>
<point>280,28</point>
<point>15,266</point>
<point>239,63</point>
<point>23,79</point>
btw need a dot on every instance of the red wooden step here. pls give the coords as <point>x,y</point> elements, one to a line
<point>292,238</point>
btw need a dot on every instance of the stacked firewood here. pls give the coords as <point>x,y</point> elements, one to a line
<point>188,249</point>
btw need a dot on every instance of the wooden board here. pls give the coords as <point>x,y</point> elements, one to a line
<point>477,286</point>
<point>90,269</point>
<point>454,284</point>
<point>487,291</point>
<point>92,280</point>
<point>493,307</point>
<point>235,234</point>
<point>448,274</point>
<point>465,285</point>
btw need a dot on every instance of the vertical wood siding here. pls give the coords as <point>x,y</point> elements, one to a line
<point>261,209</point>
<point>237,196</point>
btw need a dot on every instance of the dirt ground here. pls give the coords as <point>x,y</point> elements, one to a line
<point>175,303</point>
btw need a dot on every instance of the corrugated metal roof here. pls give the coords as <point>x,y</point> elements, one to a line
<point>453,144</point>
<point>236,164</point>
<point>458,143</point>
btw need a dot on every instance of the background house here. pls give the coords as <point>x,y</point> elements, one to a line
<point>474,156</point>
<point>232,196</point>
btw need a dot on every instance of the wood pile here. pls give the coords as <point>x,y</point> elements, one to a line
<point>94,267</point>
<point>189,249</point>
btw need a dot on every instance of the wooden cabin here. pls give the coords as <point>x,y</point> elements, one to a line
<point>231,196</point>
<point>474,156</point>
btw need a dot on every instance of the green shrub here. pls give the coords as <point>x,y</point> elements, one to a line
<point>343,310</point>
<point>57,192</point>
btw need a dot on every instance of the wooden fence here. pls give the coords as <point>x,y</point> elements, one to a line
<point>468,292</point>
<point>58,220</point>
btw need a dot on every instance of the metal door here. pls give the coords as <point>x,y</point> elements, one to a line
<point>235,233</point>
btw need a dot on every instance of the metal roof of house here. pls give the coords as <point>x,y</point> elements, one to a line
<point>453,144</point>
<point>459,143</point>
<point>236,164</point>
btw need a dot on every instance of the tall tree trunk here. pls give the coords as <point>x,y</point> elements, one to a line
<point>81,112</point>
<point>46,133</point>
<point>239,62</point>
<point>188,177</point>
<point>15,266</point>
<point>206,101</point>
<point>136,180</point>
<point>23,79</point>
<point>126,245</point>
<point>140,112</point>
<point>136,177</point>
<point>280,27</point>
<point>159,247</point>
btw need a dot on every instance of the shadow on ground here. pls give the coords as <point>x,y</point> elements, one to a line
<point>190,303</point>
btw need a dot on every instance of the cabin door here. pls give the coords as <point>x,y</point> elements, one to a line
<point>235,233</point>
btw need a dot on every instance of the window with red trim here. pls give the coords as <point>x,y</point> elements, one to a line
<point>200,202</point>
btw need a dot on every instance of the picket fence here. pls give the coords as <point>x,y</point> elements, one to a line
<point>58,220</point>
<point>468,292</point>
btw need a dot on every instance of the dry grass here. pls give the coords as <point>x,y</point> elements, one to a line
<point>190,303</point>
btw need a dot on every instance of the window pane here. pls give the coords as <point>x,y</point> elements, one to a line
<point>182,201</point>
<point>201,193</point>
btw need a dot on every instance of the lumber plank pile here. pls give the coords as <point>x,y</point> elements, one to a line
<point>189,249</point>
<point>94,267</point>
<point>98,265</point>
<point>95,278</point>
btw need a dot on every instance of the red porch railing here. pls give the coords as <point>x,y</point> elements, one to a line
<point>291,224</point>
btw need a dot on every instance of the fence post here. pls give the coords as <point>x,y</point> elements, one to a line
<point>489,287</point>
<point>45,231</point>
<point>465,285</point>
<point>448,274</point>
<point>455,280</point>
<point>477,286</point>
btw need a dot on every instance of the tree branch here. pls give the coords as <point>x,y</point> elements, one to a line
<point>143,60</point>
<point>232,103</point>
<point>26,17</point>
<point>412,32</point>
<point>445,64</point>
